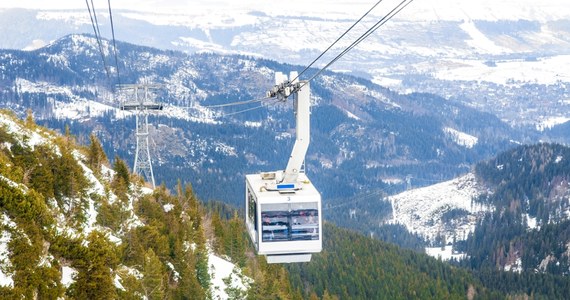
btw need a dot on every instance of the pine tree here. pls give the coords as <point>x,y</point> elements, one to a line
<point>235,242</point>
<point>94,279</point>
<point>189,286</point>
<point>70,180</point>
<point>219,239</point>
<point>154,280</point>
<point>121,180</point>
<point>202,270</point>
<point>42,177</point>
<point>30,123</point>
<point>96,156</point>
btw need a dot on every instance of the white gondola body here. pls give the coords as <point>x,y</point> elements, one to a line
<point>284,226</point>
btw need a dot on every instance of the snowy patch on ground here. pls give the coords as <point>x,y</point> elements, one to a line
<point>79,109</point>
<point>200,44</point>
<point>392,180</point>
<point>5,264</point>
<point>67,274</point>
<point>461,138</point>
<point>479,41</point>
<point>252,124</point>
<point>326,163</point>
<point>91,215</point>
<point>551,122</point>
<point>117,282</point>
<point>387,82</point>
<point>351,115</point>
<point>221,269</point>
<point>95,187</point>
<point>196,114</point>
<point>176,275</point>
<point>548,70</point>
<point>445,253</point>
<point>531,222</point>
<point>421,210</point>
<point>30,138</point>
<point>168,207</point>
<point>514,267</point>
<point>225,149</point>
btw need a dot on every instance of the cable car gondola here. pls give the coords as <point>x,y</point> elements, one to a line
<point>283,208</point>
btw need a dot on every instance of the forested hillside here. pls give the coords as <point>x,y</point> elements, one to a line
<point>355,267</point>
<point>529,230</point>
<point>76,227</point>
<point>73,226</point>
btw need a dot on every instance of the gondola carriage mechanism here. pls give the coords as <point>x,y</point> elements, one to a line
<point>283,208</point>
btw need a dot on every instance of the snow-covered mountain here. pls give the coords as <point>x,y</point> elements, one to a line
<point>505,58</point>
<point>364,135</point>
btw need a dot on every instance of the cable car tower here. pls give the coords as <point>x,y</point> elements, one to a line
<point>283,208</point>
<point>141,107</point>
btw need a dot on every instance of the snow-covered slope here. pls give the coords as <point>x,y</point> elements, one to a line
<point>442,211</point>
<point>461,138</point>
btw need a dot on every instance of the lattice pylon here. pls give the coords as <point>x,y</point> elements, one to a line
<point>141,106</point>
<point>143,165</point>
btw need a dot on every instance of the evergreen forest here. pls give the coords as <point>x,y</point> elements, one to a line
<point>135,248</point>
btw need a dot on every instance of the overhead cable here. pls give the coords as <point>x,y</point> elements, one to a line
<point>338,39</point>
<point>95,25</point>
<point>240,111</point>
<point>355,199</point>
<point>248,109</point>
<point>371,30</point>
<point>236,103</point>
<point>98,33</point>
<point>323,53</point>
<point>114,43</point>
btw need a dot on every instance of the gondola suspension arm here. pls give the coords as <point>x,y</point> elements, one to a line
<point>283,89</point>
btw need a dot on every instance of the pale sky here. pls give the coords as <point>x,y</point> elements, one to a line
<point>201,7</point>
<point>183,5</point>
<point>419,9</point>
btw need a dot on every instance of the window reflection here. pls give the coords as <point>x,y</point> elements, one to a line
<point>289,222</point>
<point>305,224</point>
<point>252,211</point>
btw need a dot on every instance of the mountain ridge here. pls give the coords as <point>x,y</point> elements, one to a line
<point>350,114</point>
<point>504,56</point>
